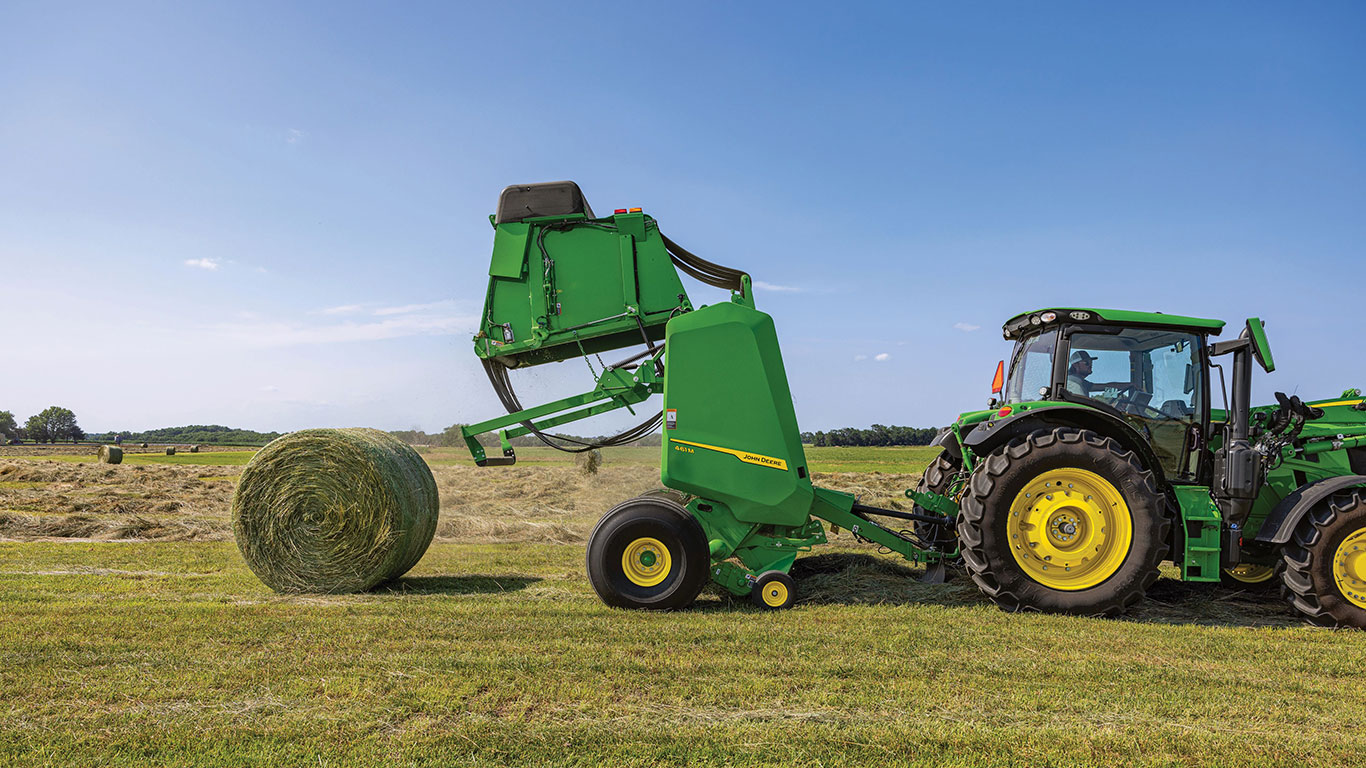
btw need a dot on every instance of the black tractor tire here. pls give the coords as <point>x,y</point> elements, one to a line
<point>937,478</point>
<point>658,524</point>
<point>1309,568</point>
<point>986,506</point>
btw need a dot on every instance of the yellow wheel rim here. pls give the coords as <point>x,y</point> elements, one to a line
<point>646,562</point>
<point>1070,529</point>
<point>774,594</point>
<point>1251,573</point>
<point>1349,568</point>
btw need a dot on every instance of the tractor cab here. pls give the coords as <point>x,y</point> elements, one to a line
<point>1145,370</point>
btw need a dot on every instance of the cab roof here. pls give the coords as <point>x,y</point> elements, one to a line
<point>1017,325</point>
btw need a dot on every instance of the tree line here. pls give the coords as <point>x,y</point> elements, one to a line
<point>878,434</point>
<point>56,424</point>
<point>204,434</point>
<point>53,424</point>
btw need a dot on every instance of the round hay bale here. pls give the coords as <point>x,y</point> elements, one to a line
<point>588,461</point>
<point>334,510</point>
<point>144,445</point>
<point>194,449</point>
<point>170,450</point>
<point>111,454</point>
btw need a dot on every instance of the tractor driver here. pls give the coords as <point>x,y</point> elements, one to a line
<point>1077,371</point>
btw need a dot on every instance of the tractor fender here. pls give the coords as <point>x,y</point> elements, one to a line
<point>1280,525</point>
<point>946,440</point>
<point>991,434</point>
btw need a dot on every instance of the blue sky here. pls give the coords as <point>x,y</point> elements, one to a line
<point>274,216</point>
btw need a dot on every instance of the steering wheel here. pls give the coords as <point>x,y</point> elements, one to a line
<point>1131,403</point>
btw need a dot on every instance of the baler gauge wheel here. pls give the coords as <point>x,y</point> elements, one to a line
<point>773,591</point>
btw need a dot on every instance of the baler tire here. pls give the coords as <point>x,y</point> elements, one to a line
<point>938,477</point>
<point>1000,477</point>
<point>654,523</point>
<point>773,591</point>
<point>1309,580</point>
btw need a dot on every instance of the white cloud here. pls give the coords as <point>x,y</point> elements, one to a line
<point>882,357</point>
<point>408,309</point>
<point>966,327</point>
<point>295,136</point>
<point>345,309</point>
<point>860,357</point>
<point>762,286</point>
<point>435,319</point>
<point>209,264</point>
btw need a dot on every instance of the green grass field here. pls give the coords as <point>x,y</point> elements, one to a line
<point>494,651</point>
<point>173,654</point>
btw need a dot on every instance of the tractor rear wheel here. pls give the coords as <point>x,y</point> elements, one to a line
<point>1325,563</point>
<point>938,478</point>
<point>648,552</point>
<point>1063,520</point>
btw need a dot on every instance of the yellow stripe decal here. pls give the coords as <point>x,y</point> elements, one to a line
<point>745,456</point>
<point>1335,402</point>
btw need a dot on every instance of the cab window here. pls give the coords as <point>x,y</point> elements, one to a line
<point>1152,376</point>
<point>1031,368</point>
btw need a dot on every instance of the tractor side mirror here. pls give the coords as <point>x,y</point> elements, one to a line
<point>1261,349</point>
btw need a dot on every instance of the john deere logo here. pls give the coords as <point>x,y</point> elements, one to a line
<point>745,456</point>
<point>768,461</point>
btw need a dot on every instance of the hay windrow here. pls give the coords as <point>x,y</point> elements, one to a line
<point>334,510</point>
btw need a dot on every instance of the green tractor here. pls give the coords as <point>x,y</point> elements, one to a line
<point>1103,458</point>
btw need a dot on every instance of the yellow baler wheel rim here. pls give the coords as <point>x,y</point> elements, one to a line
<point>775,594</point>
<point>646,562</point>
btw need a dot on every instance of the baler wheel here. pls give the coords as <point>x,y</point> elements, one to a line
<point>648,552</point>
<point>1045,525</point>
<point>773,591</point>
<point>1325,563</point>
<point>938,478</point>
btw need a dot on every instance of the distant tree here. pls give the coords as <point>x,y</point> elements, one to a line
<point>52,424</point>
<point>9,428</point>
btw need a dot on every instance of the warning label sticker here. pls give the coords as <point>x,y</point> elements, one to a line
<point>671,418</point>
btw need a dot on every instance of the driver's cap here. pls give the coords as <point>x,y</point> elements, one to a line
<point>1080,355</point>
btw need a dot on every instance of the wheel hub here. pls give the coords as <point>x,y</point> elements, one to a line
<point>1069,529</point>
<point>1349,568</point>
<point>646,562</point>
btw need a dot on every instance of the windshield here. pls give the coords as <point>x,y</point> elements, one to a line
<point>1031,368</point>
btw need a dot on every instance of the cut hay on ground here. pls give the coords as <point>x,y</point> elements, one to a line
<point>334,510</point>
